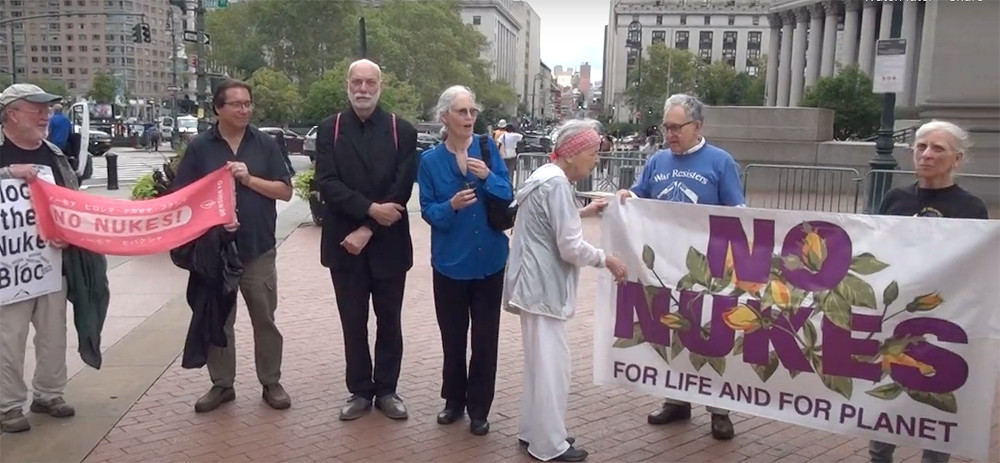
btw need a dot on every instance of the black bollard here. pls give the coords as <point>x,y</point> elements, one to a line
<point>112,159</point>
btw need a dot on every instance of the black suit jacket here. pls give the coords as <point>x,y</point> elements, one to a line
<point>364,167</point>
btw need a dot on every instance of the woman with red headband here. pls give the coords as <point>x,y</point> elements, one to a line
<point>546,253</point>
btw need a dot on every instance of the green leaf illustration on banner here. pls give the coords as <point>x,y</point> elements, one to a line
<point>840,384</point>
<point>718,364</point>
<point>810,331</point>
<point>697,361</point>
<point>765,371</point>
<point>651,292</point>
<point>924,303</point>
<point>662,351</point>
<point>867,264</point>
<point>676,347</point>
<point>648,256</point>
<point>890,293</point>
<point>945,402</point>
<point>738,346</point>
<point>792,262</point>
<point>636,339</point>
<point>837,310</point>
<point>686,282</point>
<point>886,392</point>
<point>697,265</point>
<point>856,292</point>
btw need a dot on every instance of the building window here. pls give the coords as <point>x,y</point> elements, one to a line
<point>732,20</point>
<point>659,37</point>
<point>684,19</point>
<point>753,40</point>
<point>681,40</point>
<point>477,20</point>
<point>705,46</point>
<point>659,20</point>
<point>729,47</point>
<point>756,20</point>
<point>708,20</point>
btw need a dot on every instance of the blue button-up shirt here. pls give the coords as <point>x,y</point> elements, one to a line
<point>463,245</point>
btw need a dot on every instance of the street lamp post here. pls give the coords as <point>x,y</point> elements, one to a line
<point>884,161</point>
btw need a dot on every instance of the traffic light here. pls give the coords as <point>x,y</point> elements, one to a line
<point>145,33</point>
<point>137,33</point>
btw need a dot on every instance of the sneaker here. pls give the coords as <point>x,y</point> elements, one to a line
<point>56,407</point>
<point>14,421</point>
<point>215,397</point>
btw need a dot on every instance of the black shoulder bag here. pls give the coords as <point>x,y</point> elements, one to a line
<point>499,213</point>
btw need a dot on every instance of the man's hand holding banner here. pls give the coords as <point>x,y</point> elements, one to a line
<point>130,228</point>
<point>878,327</point>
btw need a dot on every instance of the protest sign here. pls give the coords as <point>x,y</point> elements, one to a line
<point>28,266</point>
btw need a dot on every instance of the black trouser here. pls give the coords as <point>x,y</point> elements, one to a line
<point>456,301</point>
<point>353,292</point>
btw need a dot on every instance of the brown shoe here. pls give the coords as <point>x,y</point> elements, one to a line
<point>669,413</point>
<point>14,421</point>
<point>722,427</point>
<point>215,396</point>
<point>57,408</point>
<point>276,397</point>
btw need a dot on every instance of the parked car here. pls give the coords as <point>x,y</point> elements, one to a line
<point>293,141</point>
<point>426,141</point>
<point>100,143</point>
<point>309,144</point>
<point>534,143</point>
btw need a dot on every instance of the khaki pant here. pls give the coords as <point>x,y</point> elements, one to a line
<point>259,287</point>
<point>48,314</point>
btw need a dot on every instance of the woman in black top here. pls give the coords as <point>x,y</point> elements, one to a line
<point>938,151</point>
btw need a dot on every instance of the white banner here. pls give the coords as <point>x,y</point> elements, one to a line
<point>884,328</point>
<point>28,266</point>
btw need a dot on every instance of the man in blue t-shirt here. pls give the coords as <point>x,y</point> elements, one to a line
<point>59,128</point>
<point>690,171</point>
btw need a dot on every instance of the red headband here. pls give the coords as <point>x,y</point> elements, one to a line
<point>576,144</point>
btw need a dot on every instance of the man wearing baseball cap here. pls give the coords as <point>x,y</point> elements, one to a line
<point>24,122</point>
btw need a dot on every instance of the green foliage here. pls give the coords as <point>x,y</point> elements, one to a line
<point>144,188</point>
<point>50,86</point>
<point>329,94</point>
<point>102,88</point>
<point>276,98</point>
<point>4,80</point>
<point>849,94</point>
<point>303,183</point>
<point>722,85</point>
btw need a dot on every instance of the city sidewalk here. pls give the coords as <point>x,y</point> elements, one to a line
<point>157,423</point>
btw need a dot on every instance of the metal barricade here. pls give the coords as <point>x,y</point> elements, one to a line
<point>524,165</point>
<point>983,186</point>
<point>803,188</point>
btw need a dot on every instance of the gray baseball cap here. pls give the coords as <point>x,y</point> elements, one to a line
<point>27,92</point>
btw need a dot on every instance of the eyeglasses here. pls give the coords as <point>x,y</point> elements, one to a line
<point>34,111</point>
<point>674,127</point>
<point>474,112</point>
<point>239,104</point>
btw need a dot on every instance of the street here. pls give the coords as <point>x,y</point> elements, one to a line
<point>134,163</point>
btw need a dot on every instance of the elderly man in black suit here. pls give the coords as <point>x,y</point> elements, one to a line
<point>365,170</point>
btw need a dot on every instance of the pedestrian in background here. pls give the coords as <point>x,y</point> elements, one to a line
<point>366,165</point>
<point>468,255</point>
<point>546,254</point>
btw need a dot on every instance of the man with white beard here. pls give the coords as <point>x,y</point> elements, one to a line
<point>366,165</point>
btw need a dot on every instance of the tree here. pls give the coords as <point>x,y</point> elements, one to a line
<point>329,94</point>
<point>102,88</point>
<point>4,80</point>
<point>276,98</point>
<point>719,84</point>
<point>666,71</point>
<point>849,94</point>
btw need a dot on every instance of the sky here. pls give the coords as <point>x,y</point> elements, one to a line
<point>573,32</point>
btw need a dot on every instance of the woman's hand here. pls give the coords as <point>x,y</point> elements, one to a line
<point>595,208</point>
<point>617,269</point>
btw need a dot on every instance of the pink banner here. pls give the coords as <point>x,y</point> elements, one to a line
<point>133,228</point>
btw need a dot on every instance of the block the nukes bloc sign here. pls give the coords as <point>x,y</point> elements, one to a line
<point>28,266</point>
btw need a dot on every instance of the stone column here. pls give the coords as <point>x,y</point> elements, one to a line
<point>866,47</point>
<point>850,55</point>
<point>798,56</point>
<point>831,15</point>
<point>773,20</point>
<point>909,32</point>
<point>785,61</point>
<point>885,23</point>
<point>815,50</point>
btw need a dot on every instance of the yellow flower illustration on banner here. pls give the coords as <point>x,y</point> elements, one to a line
<point>674,321</point>
<point>925,303</point>
<point>814,249</point>
<point>750,287</point>
<point>742,318</point>
<point>907,361</point>
<point>781,294</point>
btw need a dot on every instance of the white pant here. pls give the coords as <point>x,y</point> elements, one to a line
<point>48,315</point>
<point>546,386</point>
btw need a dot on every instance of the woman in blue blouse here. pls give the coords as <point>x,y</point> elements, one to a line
<point>468,256</point>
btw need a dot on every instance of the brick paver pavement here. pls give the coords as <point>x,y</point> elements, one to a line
<point>609,422</point>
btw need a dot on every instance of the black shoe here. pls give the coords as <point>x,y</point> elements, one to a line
<point>392,406</point>
<point>722,427</point>
<point>356,407</point>
<point>215,397</point>
<point>479,427</point>
<point>573,454</point>
<point>669,413</point>
<point>571,440</point>
<point>450,414</point>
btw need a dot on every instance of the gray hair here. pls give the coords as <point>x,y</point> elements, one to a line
<point>443,133</point>
<point>960,142</point>
<point>447,98</point>
<point>350,69</point>
<point>692,106</point>
<point>574,127</point>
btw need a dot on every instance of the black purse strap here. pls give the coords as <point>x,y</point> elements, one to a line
<point>484,151</point>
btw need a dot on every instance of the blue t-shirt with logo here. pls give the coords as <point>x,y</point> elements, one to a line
<point>709,176</point>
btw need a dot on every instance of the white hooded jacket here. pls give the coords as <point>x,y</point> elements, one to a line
<point>547,249</point>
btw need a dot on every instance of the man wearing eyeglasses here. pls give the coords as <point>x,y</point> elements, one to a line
<point>24,153</point>
<point>690,171</point>
<point>256,162</point>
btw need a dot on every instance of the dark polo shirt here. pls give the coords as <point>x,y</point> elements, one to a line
<point>257,214</point>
